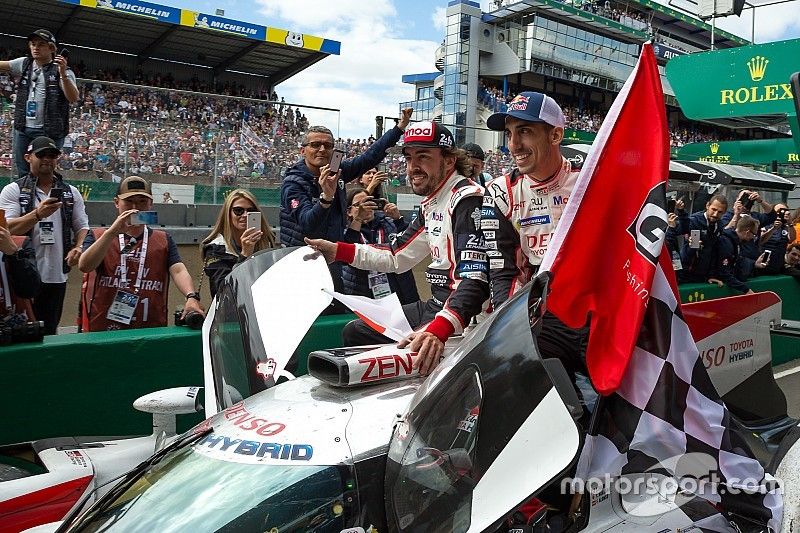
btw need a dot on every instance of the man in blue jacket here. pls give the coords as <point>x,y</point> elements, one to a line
<point>313,199</point>
<point>731,268</point>
<point>698,262</point>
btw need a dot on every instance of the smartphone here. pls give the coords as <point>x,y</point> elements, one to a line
<point>336,160</point>
<point>254,220</point>
<point>695,236</point>
<point>57,193</point>
<point>64,53</point>
<point>144,217</point>
<point>747,203</point>
<point>3,222</point>
<point>671,205</point>
<point>767,255</point>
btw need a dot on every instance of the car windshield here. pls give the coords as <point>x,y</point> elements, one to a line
<point>192,490</point>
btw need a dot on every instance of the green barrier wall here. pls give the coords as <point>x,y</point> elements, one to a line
<point>85,384</point>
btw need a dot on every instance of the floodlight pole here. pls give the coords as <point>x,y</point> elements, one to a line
<point>713,24</point>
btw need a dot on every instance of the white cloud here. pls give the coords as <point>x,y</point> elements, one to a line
<point>365,80</point>
<point>439,18</point>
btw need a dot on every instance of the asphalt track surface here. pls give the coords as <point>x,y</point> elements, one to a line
<point>788,378</point>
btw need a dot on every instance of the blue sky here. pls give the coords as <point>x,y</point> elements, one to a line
<point>384,39</point>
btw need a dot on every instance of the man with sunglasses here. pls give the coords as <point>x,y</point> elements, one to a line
<point>313,199</point>
<point>45,89</point>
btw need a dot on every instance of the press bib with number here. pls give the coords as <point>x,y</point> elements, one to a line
<point>128,290</point>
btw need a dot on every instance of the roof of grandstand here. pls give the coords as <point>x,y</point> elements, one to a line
<point>153,31</point>
<point>666,16</point>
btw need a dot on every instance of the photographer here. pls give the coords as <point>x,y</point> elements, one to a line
<point>699,250</point>
<point>369,226</point>
<point>776,238</point>
<point>127,268</point>
<point>51,212</point>
<point>19,277</point>
<point>46,87</point>
<point>372,180</point>
<point>732,268</point>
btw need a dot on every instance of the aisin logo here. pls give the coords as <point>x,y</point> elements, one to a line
<point>757,66</point>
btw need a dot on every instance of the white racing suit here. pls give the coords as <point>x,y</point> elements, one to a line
<point>518,219</point>
<point>448,231</point>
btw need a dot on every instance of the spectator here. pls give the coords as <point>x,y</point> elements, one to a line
<point>127,269</point>
<point>776,238</point>
<point>698,258</point>
<point>796,224</point>
<point>367,226</point>
<point>45,90</point>
<point>731,268</point>
<point>446,231</point>
<point>231,241</point>
<point>371,182</point>
<point>19,278</point>
<point>791,261</point>
<point>477,158</point>
<point>313,202</point>
<point>56,225</point>
<point>742,207</point>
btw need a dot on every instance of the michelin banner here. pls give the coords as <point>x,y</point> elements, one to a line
<point>212,22</point>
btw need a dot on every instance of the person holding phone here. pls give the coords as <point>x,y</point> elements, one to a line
<point>776,238</point>
<point>46,87</point>
<point>699,251</point>
<point>241,230</point>
<point>368,225</point>
<point>372,181</point>
<point>128,266</point>
<point>313,199</point>
<point>731,268</point>
<point>52,212</point>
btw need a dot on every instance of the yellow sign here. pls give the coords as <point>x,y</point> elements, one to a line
<point>714,147</point>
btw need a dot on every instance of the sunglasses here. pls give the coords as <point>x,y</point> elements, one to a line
<point>316,145</point>
<point>239,211</point>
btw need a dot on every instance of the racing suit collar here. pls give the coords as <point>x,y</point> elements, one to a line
<point>556,180</point>
<point>444,186</point>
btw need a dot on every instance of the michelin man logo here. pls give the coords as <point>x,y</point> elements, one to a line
<point>294,39</point>
<point>105,3</point>
<point>201,21</point>
<point>650,225</point>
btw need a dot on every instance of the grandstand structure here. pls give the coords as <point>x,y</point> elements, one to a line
<point>578,51</point>
<point>182,97</point>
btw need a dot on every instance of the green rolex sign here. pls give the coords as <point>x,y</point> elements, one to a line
<point>758,152</point>
<point>737,82</point>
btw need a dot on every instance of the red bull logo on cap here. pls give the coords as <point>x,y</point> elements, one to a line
<point>421,132</point>
<point>519,103</point>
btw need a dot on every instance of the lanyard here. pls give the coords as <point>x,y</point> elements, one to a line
<point>123,260</point>
<point>5,287</point>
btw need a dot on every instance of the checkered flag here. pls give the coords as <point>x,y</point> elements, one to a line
<point>666,418</point>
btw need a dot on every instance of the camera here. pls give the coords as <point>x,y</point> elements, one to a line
<point>17,328</point>
<point>746,201</point>
<point>380,202</point>
<point>193,319</point>
<point>782,214</point>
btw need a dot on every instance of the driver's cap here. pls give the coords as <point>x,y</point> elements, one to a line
<point>428,134</point>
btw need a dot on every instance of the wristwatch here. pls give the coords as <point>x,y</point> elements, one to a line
<point>195,295</point>
<point>322,200</point>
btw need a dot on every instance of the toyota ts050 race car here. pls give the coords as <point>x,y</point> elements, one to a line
<point>485,443</point>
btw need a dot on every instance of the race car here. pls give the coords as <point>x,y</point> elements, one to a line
<point>480,445</point>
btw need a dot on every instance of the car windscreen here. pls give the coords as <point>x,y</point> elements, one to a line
<point>193,489</point>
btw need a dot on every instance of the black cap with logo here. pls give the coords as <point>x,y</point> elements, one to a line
<point>45,35</point>
<point>42,144</point>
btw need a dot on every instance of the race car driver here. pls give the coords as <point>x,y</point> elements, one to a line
<point>518,218</point>
<point>447,230</point>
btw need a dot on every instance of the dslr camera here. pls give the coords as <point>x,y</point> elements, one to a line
<point>193,319</point>
<point>17,328</point>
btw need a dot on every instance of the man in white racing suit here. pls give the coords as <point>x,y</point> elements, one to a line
<point>447,230</point>
<point>521,211</point>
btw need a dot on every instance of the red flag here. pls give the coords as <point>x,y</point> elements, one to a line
<point>604,253</point>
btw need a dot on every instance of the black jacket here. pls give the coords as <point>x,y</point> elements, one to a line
<point>729,266</point>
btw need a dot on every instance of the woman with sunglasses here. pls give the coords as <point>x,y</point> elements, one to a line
<point>369,226</point>
<point>231,241</point>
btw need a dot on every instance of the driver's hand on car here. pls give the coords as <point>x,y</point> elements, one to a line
<point>326,248</point>
<point>429,349</point>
